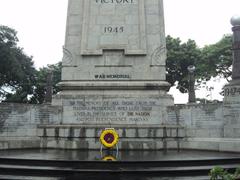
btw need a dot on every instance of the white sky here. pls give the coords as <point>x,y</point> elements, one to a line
<point>41,23</point>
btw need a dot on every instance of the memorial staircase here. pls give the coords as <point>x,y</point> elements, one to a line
<point>12,168</point>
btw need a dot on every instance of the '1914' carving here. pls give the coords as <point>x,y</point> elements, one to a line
<point>232,91</point>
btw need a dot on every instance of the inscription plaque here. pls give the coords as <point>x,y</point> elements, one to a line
<point>117,111</point>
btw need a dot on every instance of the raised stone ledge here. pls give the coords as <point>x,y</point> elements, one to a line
<point>124,143</point>
<point>109,126</point>
<point>130,131</point>
<point>33,143</point>
<point>212,144</point>
<point>114,85</point>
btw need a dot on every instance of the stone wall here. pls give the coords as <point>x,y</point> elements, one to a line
<point>212,127</point>
<point>207,127</point>
<point>18,124</point>
<point>202,121</point>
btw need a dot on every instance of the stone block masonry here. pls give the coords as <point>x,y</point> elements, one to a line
<point>114,64</point>
<point>131,137</point>
<point>114,76</point>
<point>200,121</point>
<point>188,126</point>
<point>116,40</point>
<point>95,108</point>
<point>18,124</point>
<point>39,126</point>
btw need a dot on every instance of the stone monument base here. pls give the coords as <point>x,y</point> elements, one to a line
<point>136,109</point>
<point>232,109</point>
<point>212,144</point>
<point>114,103</point>
<point>132,137</point>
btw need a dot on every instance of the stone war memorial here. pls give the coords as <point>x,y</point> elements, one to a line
<point>114,64</point>
<point>113,72</point>
<point>114,76</point>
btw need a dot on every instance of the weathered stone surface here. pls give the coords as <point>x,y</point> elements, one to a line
<point>199,120</point>
<point>114,41</point>
<point>232,111</point>
<point>124,144</point>
<point>205,125</point>
<point>113,72</point>
<point>19,143</point>
<point>131,137</point>
<point>88,131</point>
<point>113,76</point>
<point>213,144</point>
<point>236,54</point>
<point>232,90</point>
<point>18,128</point>
<point>118,107</point>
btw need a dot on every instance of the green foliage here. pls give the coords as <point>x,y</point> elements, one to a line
<point>179,57</point>
<point>41,75</point>
<point>211,61</point>
<point>8,36</point>
<point>16,70</point>
<point>217,59</point>
<point>19,80</point>
<point>218,173</point>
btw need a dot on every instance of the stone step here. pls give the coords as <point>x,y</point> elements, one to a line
<point>118,164</point>
<point>12,177</point>
<point>12,168</point>
<point>148,172</point>
<point>118,170</point>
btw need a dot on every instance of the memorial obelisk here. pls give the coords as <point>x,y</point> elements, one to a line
<point>232,90</point>
<point>114,61</point>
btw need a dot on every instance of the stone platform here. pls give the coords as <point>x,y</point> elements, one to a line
<point>212,144</point>
<point>137,110</point>
<point>131,137</point>
<point>113,75</point>
<point>113,103</point>
<point>142,165</point>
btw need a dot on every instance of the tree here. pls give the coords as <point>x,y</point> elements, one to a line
<point>217,59</point>
<point>21,82</point>
<point>17,73</point>
<point>211,61</point>
<point>218,173</point>
<point>179,57</point>
<point>39,89</point>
